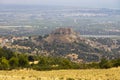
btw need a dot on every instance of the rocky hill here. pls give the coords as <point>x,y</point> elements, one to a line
<point>68,35</point>
<point>67,43</point>
<point>62,35</point>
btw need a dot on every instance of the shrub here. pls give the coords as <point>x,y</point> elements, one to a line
<point>23,61</point>
<point>13,62</point>
<point>4,64</point>
<point>105,64</point>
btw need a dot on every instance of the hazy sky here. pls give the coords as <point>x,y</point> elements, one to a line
<point>80,3</point>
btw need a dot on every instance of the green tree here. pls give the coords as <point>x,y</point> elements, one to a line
<point>105,63</point>
<point>23,61</point>
<point>6,53</point>
<point>4,63</point>
<point>43,61</point>
<point>92,65</point>
<point>31,58</point>
<point>13,62</point>
<point>116,62</point>
<point>65,63</point>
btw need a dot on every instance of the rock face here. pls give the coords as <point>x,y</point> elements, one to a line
<point>63,31</point>
<point>64,35</point>
<point>68,35</point>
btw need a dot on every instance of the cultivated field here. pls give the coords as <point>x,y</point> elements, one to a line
<point>92,74</point>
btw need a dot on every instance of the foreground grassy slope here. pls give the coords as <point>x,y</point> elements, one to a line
<point>92,74</point>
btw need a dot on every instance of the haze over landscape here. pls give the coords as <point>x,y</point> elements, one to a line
<point>59,39</point>
<point>78,3</point>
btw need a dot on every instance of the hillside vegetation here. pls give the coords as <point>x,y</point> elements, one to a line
<point>10,60</point>
<point>66,42</point>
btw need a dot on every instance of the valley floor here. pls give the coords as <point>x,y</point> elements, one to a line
<point>89,74</point>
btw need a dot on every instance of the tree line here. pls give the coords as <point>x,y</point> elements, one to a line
<point>10,60</point>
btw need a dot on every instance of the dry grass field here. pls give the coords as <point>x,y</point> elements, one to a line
<point>90,74</point>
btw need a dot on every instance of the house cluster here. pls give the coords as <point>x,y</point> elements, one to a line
<point>4,41</point>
